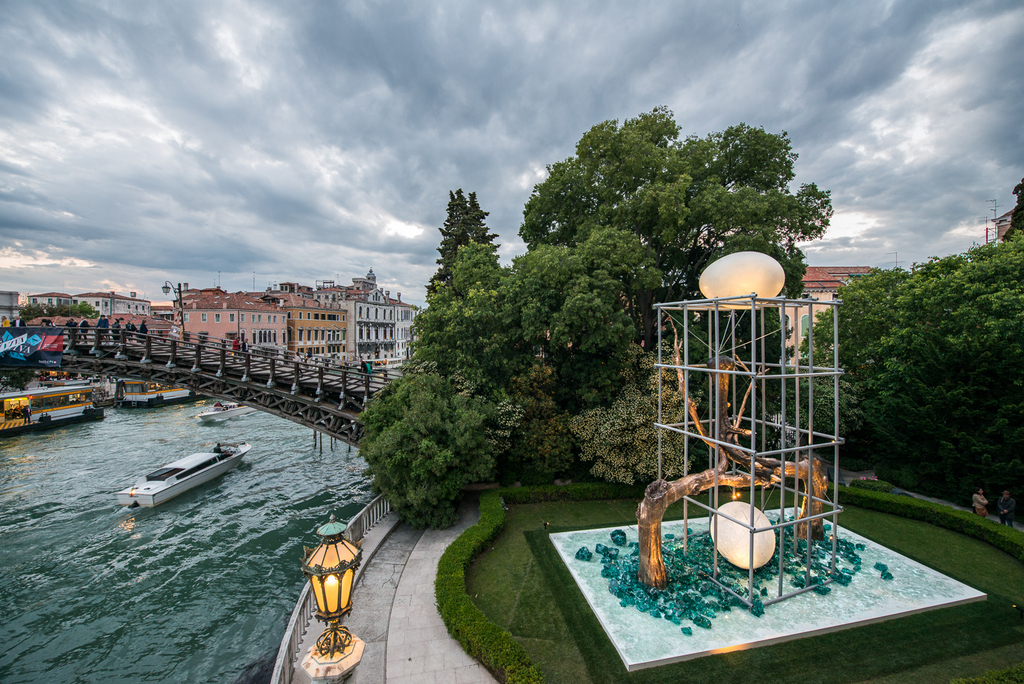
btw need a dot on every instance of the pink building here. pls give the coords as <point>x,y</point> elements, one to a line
<point>219,314</point>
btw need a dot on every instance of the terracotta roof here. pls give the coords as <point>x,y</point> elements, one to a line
<point>238,300</point>
<point>51,294</point>
<point>107,295</point>
<point>831,278</point>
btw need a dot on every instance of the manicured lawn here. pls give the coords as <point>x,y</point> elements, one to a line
<point>522,585</point>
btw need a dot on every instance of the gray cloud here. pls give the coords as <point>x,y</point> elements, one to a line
<point>305,141</point>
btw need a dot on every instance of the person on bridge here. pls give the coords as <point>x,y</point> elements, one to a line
<point>143,329</point>
<point>84,324</point>
<point>236,345</point>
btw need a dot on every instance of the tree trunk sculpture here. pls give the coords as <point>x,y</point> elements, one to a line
<point>660,494</point>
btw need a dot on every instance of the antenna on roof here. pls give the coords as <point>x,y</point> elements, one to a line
<point>897,255</point>
<point>995,215</point>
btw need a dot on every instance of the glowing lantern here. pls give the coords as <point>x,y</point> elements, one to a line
<point>741,274</point>
<point>733,540</point>
<point>331,569</point>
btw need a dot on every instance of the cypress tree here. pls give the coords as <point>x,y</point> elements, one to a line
<point>464,224</point>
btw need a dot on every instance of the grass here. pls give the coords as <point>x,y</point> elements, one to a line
<point>522,585</point>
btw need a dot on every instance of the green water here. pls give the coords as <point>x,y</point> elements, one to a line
<point>193,590</point>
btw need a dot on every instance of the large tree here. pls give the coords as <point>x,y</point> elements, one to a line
<point>1017,218</point>
<point>936,352</point>
<point>687,201</point>
<point>463,224</point>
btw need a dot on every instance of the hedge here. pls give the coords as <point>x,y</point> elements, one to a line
<point>499,652</point>
<point>1012,675</point>
<point>873,485</point>
<point>1002,537</point>
<point>506,658</point>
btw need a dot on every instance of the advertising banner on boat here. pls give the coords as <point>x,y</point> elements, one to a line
<point>31,347</point>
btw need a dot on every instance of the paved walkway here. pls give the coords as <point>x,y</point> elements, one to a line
<point>849,475</point>
<point>395,612</point>
<point>419,649</point>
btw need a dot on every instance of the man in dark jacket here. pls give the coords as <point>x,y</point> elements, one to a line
<point>1006,507</point>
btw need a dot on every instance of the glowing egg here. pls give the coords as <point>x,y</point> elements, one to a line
<point>743,273</point>
<point>734,540</point>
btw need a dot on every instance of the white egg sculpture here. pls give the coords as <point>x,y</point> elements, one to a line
<point>734,540</point>
<point>741,274</point>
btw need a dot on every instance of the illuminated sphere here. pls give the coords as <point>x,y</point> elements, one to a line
<point>742,273</point>
<point>734,540</point>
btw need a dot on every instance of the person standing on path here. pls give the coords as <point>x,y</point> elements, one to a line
<point>980,503</point>
<point>1006,507</point>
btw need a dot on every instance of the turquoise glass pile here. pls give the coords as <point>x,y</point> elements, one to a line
<point>693,597</point>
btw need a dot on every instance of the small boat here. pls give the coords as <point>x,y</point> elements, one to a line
<point>146,394</point>
<point>182,475</point>
<point>224,411</point>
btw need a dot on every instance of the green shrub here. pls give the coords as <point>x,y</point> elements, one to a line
<point>1013,675</point>
<point>1002,537</point>
<point>499,652</point>
<point>872,485</point>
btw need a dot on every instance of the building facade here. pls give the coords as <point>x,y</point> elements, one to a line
<point>212,312</point>
<point>821,283</point>
<point>112,304</point>
<point>50,299</point>
<point>314,329</point>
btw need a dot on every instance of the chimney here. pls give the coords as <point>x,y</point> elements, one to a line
<point>186,286</point>
<point>399,296</point>
<point>132,294</point>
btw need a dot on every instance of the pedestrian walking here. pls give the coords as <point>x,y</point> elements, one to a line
<point>143,329</point>
<point>980,503</point>
<point>1006,507</point>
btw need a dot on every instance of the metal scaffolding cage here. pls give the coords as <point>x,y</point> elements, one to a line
<point>770,404</point>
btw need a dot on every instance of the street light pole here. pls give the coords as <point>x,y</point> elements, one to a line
<point>178,324</point>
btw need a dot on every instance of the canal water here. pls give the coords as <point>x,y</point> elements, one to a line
<point>193,590</point>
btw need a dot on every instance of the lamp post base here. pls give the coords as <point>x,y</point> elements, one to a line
<point>330,670</point>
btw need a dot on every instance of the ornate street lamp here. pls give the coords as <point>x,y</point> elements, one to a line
<point>179,317</point>
<point>331,569</point>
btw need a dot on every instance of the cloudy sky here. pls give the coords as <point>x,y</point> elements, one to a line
<point>240,142</point>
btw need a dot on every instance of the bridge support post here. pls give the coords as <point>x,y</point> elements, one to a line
<point>344,388</point>
<point>172,361</point>
<point>196,365</point>
<point>223,361</point>
<point>271,381</point>
<point>97,347</point>
<point>147,356</point>
<point>248,366</point>
<point>121,342</point>
<point>319,383</point>
<point>295,377</point>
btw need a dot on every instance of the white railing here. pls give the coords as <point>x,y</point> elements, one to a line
<point>367,518</point>
<point>302,616</point>
<point>288,653</point>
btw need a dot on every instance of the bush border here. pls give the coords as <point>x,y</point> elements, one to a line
<point>494,647</point>
<point>506,658</point>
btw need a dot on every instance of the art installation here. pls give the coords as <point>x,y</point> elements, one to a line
<point>759,431</point>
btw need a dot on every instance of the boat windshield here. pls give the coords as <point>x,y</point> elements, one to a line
<point>162,474</point>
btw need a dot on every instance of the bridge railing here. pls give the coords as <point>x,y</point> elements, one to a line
<point>288,654</point>
<point>275,366</point>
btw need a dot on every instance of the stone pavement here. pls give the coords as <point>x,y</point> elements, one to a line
<point>419,649</point>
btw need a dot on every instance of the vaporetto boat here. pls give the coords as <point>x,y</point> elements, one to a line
<point>145,394</point>
<point>49,407</point>
<point>221,411</point>
<point>182,475</point>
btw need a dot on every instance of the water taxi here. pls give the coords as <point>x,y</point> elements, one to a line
<point>47,407</point>
<point>224,411</point>
<point>182,475</point>
<point>147,394</point>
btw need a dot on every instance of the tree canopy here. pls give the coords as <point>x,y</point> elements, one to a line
<point>687,202</point>
<point>936,352</point>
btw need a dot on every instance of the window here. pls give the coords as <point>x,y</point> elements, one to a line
<point>186,318</point>
<point>231,318</point>
<point>216,318</point>
<point>803,325</point>
<point>259,318</point>
<point>241,318</point>
<point>202,317</point>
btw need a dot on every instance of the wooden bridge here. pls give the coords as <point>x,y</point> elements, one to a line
<point>309,392</point>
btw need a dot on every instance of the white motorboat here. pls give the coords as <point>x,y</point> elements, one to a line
<point>182,475</point>
<point>221,411</point>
